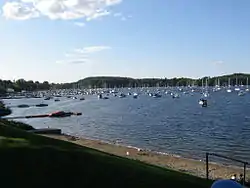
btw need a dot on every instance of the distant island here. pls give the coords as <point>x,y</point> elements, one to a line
<point>118,82</point>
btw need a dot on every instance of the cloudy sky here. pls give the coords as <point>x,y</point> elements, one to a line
<point>67,40</point>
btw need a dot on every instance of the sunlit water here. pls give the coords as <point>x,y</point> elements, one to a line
<point>178,126</point>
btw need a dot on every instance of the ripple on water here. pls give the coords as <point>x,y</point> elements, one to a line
<point>179,126</point>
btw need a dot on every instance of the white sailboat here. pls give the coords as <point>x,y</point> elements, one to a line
<point>217,85</point>
<point>236,85</point>
<point>229,86</point>
<point>206,94</point>
<point>247,89</point>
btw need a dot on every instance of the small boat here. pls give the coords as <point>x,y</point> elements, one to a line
<point>60,114</point>
<point>206,94</point>
<point>203,102</point>
<point>105,98</point>
<point>82,99</point>
<point>63,114</point>
<point>122,95</point>
<point>23,106</point>
<point>100,96</point>
<point>241,93</point>
<point>156,95</point>
<point>56,100</point>
<point>135,95</point>
<point>176,95</point>
<point>47,98</point>
<point>74,97</point>
<point>41,105</point>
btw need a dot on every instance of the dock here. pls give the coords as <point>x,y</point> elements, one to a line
<point>47,131</point>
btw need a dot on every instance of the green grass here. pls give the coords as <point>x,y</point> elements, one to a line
<point>29,160</point>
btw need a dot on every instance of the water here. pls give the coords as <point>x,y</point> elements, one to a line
<point>177,126</point>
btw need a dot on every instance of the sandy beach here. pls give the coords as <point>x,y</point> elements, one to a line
<point>194,167</point>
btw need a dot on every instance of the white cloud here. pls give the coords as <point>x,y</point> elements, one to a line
<point>119,14</point>
<point>18,11</point>
<point>58,9</point>
<point>123,18</point>
<point>93,49</point>
<point>73,61</point>
<point>218,62</point>
<point>98,15</point>
<point>80,24</point>
<point>82,55</point>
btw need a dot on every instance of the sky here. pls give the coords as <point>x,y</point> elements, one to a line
<point>68,40</point>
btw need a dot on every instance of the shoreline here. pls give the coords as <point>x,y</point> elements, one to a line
<point>178,163</point>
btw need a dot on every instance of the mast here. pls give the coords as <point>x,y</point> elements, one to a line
<point>206,85</point>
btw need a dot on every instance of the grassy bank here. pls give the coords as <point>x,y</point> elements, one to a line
<point>30,160</point>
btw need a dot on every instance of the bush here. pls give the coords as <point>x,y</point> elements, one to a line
<point>3,110</point>
<point>18,125</point>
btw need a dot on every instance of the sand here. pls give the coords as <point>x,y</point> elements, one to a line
<point>194,167</point>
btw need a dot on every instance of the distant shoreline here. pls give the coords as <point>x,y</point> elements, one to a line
<point>94,82</point>
<point>190,166</point>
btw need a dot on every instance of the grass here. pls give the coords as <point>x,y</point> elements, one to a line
<point>29,160</point>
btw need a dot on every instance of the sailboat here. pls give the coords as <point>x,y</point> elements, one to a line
<point>236,86</point>
<point>229,86</point>
<point>217,85</point>
<point>206,94</point>
<point>247,89</point>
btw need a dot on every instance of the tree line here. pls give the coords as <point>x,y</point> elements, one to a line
<point>21,84</point>
<point>112,82</point>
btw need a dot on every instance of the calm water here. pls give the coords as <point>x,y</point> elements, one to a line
<point>178,126</point>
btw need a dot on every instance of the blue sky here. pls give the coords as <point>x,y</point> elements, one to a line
<point>67,40</point>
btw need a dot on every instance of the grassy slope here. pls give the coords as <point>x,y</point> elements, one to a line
<point>28,159</point>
